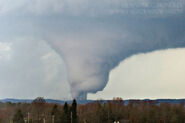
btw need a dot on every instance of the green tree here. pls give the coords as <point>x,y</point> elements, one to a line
<point>74,111</point>
<point>18,117</point>
<point>66,114</point>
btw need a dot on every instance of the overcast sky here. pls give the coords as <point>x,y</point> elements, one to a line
<point>68,48</point>
<point>31,69</point>
<point>154,75</point>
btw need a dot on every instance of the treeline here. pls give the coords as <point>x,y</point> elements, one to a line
<point>38,112</point>
<point>97,112</point>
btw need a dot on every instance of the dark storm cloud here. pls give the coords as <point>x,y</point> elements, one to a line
<point>93,37</point>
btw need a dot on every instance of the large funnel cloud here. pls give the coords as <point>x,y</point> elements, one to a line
<point>93,52</point>
<point>93,37</point>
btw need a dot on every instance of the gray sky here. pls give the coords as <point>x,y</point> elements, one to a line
<point>30,69</point>
<point>63,48</point>
<point>155,75</point>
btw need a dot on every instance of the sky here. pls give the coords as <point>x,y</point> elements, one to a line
<point>29,70</point>
<point>154,75</point>
<point>65,49</point>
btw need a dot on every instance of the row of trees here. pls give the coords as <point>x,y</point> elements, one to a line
<point>96,112</point>
<point>133,112</point>
<point>38,112</point>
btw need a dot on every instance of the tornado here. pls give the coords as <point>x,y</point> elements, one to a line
<point>93,37</point>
